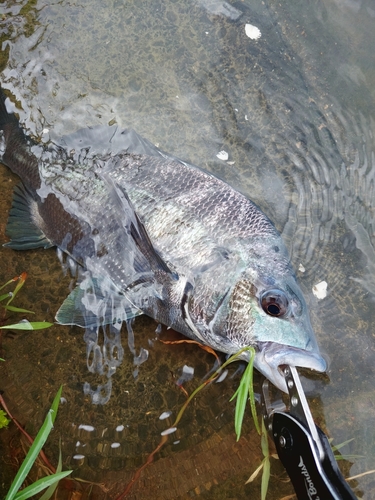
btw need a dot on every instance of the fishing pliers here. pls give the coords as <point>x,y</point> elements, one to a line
<point>302,446</point>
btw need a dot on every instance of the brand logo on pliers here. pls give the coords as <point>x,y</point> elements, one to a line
<point>310,488</point>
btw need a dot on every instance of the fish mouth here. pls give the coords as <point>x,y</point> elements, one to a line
<point>271,356</point>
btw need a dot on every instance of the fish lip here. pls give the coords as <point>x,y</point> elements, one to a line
<point>271,356</point>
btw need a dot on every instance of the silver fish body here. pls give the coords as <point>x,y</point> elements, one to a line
<point>161,237</point>
<point>236,287</point>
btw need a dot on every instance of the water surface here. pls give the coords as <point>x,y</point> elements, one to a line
<point>295,112</point>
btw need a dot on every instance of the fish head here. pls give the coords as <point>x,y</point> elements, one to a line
<point>267,310</point>
<point>283,332</point>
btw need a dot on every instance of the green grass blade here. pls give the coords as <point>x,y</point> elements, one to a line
<point>17,309</point>
<point>349,458</point>
<point>251,391</point>
<point>241,401</point>
<point>34,325</point>
<point>51,489</point>
<point>341,445</point>
<point>265,478</point>
<point>40,485</point>
<point>31,456</point>
<point>21,282</point>
<point>243,392</point>
<point>34,449</point>
<point>266,463</point>
<point>55,404</point>
<point>264,441</point>
<point>5,296</point>
<point>8,283</point>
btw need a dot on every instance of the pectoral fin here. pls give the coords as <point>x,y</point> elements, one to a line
<point>95,302</point>
<point>145,249</point>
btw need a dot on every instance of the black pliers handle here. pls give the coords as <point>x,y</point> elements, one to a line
<point>302,447</point>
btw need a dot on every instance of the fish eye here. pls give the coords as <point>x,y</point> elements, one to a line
<point>274,303</point>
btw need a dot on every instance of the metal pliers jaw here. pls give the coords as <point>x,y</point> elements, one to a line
<point>302,447</point>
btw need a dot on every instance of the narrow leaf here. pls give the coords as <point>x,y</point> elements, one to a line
<point>255,473</point>
<point>17,309</point>
<point>9,282</point>
<point>339,446</point>
<point>55,404</point>
<point>251,391</point>
<point>51,489</point>
<point>264,441</point>
<point>242,393</point>
<point>40,485</point>
<point>265,478</point>
<point>266,462</point>
<point>21,281</point>
<point>31,456</point>
<point>347,457</point>
<point>34,325</point>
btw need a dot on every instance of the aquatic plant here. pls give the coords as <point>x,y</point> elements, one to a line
<point>49,482</point>
<point>265,465</point>
<point>23,324</point>
<point>244,392</point>
<point>4,421</point>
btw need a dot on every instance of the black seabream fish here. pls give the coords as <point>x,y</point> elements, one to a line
<point>157,236</point>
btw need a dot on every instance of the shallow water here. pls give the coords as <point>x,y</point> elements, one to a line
<point>295,111</point>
